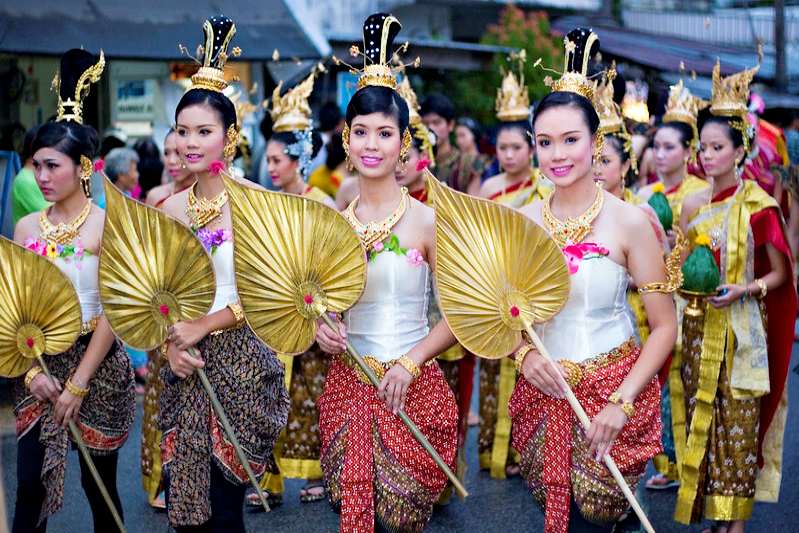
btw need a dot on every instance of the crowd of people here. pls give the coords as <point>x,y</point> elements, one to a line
<point>675,337</point>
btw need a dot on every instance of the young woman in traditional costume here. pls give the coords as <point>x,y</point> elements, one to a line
<point>175,168</point>
<point>289,153</point>
<point>736,350</point>
<point>605,241</point>
<point>520,183</point>
<point>376,473</point>
<point>93,383</point>
<point>205,480</point>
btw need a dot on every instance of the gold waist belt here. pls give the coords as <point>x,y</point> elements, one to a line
<point>378,367</point>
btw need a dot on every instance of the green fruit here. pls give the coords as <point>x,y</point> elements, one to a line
<point>700,272</point>
<point>660,204</point>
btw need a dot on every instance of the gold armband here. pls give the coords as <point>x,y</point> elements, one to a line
<point>763,287</point>
<point>31,375</point>
<point>80,392</point>
<point>627,407</point>
<point>656,286</point>
<point>238,313</point>
<point>520,355</point>
<point>408,364</point>
<point>163,349</point>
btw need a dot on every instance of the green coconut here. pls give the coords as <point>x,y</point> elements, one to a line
<point>700,272</point>
<point>660,204</point>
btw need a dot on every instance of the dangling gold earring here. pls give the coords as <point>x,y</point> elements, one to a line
<point>345,141</point>
<point>406,146</point>
<point>86,175</point>
<point>599,144</point>
<point>232,143</point>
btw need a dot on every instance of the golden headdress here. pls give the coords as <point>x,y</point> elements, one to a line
<point>730,98</point>
<point>580,45</point>
<point>419,131</point>
<point>611,121</point>
<point>291,112</point>
<point>379,32</point>
<point>634,105</point>
<point>513,103</point>
<point>213,55</point>
<point>684,107</point>
<point>77,71</point>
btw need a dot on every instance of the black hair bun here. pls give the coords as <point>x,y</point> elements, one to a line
<point>586,46</point>
<point>379,32</point>
<point>73,64</point>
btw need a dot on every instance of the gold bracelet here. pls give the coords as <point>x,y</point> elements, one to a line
<point>408,364</point>
<point>656,286</point>
<point>627,407</point>
<point>238,313</point>
<point>75,390</point>
<point>520,355</point>
<point>31,375</point>
<point>763,287</point>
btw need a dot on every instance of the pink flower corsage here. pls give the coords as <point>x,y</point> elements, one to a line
<point>99,165</point>
<point>35,245</point>
<point>415,257</point>
<point>422,164</point>
<point>216,167</point>
<point>576,253</point>
<point>378,247</point>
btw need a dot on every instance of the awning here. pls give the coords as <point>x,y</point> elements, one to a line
<point>152,29</point>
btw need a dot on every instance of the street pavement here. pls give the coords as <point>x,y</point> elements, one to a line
<point>492,506</point>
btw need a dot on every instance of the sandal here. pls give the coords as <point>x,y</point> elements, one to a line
<point>661,482</point>
<point>306,496</point>
<point>253,502</point>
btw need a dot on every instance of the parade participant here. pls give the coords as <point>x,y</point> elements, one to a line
<point>152,478</point>
<point>176,170</point>
<point>289,153</point>
<point>459,171</point>
<point>455,363</point>
<point>736,351</point>
<point>674,147</point>
<point>605,242</point>
<point>205,482</point>
<point>376,473</point>
<point>519,184</point>
<point>25,194</point>
<point>468,136</point>
<point>93,380</point>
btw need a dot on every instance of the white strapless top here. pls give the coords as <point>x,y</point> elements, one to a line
<point>391,316</point>
<point>596,317</point>
<point>83,274</point>
<point>226,292</point>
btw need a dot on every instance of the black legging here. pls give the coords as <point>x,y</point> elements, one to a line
<point>31,493</point>
<point>227,506</point>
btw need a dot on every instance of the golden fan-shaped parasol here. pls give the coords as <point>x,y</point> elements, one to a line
<point>39,314</point>
<point>296,259</point>
<point>501,272</point>
<point>153,273</point>
<point>498,273</point>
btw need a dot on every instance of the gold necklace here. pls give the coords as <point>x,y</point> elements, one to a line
<point>202,211</point>
<point>376,231</point>
<point>63,232</point>
<point>574,229</point>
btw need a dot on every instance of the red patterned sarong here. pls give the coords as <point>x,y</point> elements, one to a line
<point>556,462</point>
<point>373,467</point>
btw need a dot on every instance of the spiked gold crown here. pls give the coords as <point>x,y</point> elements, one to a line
<point>611,121</point>
<point>682,106</point>
<point>291,112</point>
<point>417,127</point>
<point>731,94</point>
<point>513,103</point>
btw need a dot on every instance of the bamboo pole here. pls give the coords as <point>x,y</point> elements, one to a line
<point>88,458</point>
<point>582,416</point>
<point>417,434</point>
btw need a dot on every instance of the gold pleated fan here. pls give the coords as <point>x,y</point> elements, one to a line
<point>39,309</point>
<point>153,272</point>
<point>295,259</point>
<point>497,272</point>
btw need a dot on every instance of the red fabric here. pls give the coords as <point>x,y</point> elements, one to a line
<point>638,441</point>
<point>350,405</point>
<point>465,385</point>
<point>521,185</point>
<point>781,307</point>
<point>420,194</point>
